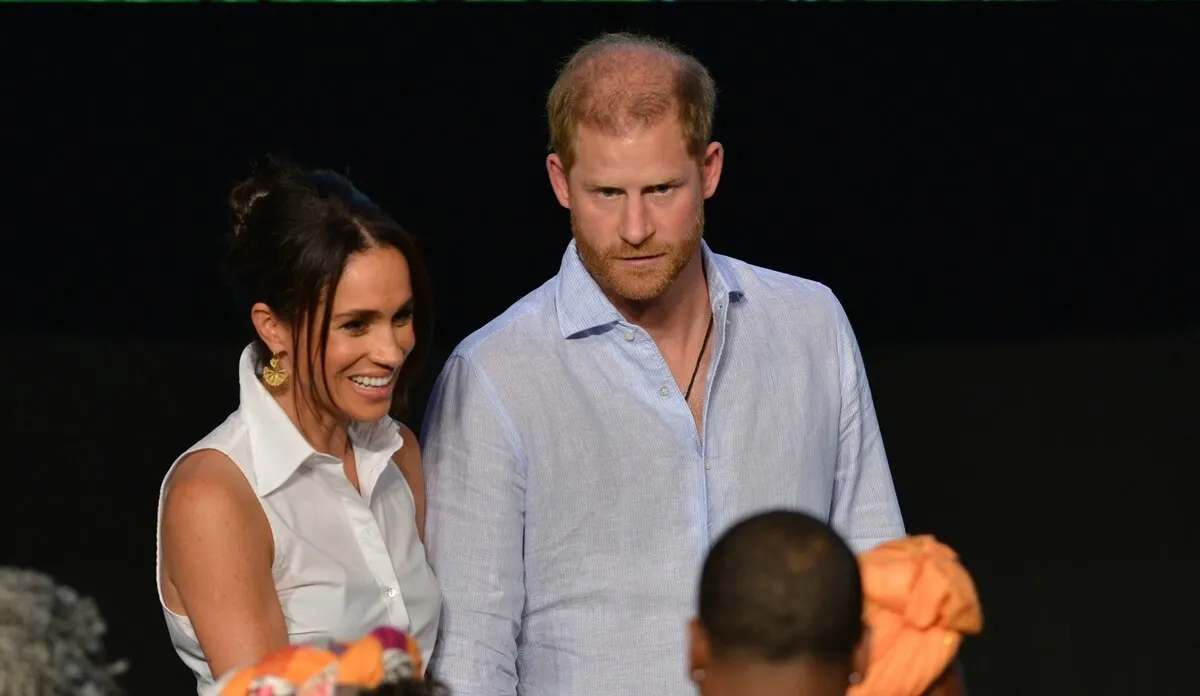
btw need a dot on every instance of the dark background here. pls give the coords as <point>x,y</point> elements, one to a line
<point>1002,197</point>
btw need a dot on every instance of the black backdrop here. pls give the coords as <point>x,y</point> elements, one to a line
<point>998,196</point>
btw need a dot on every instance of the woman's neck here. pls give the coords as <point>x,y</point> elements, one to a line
<point>326,434</point>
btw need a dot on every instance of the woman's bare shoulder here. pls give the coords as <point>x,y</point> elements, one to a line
<point>207,488</point>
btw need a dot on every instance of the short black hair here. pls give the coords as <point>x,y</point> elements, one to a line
<point>293,231</point>
<point>779,586</point>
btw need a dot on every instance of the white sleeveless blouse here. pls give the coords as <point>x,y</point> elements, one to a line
<point>344,563</point>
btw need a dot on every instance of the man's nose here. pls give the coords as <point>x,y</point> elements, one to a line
<point>635,228</point>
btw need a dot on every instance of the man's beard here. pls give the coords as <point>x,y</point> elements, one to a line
<point>635,284</point>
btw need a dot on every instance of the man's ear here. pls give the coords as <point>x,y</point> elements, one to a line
<point>699,647</point>
<point>710,169</point>
<point>558,179</point>
<point>861,659</point>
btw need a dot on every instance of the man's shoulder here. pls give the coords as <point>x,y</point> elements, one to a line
<point>770,290</point>
<point>526,323</point>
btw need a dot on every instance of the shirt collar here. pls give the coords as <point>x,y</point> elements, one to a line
<point>278,449</point>
<point>582,305</point>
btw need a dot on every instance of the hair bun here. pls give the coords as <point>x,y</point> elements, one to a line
<point>242,199</point>
<point>266,176</point>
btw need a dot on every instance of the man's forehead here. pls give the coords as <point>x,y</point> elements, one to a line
<point>644,157</point>
<point>628,127</point>
<point>601,177</point>
<point>638,169</point>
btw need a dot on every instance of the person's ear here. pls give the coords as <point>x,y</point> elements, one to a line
<point>558,179</point>
<point>861,659</point>
<point>699,651</point>
<point>273,332</point>
<point>710,169</point>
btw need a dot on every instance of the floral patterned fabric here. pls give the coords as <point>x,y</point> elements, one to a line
<point>384,656</point>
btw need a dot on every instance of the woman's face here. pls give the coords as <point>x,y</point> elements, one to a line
<point>370,334</point>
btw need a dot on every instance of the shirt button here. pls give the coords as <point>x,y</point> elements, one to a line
<point>664,391</point>
<point>391,593</point>
<point>707,465</point>
<point>628,335</point>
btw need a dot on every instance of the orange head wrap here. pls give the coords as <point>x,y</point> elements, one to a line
<point>384,656</point>
<point>918,603</point>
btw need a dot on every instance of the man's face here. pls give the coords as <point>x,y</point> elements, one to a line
<point>636,204</point>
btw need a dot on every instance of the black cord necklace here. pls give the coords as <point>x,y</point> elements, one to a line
<point>695,370</point>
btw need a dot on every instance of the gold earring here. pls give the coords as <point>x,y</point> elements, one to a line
<point>273,375</point>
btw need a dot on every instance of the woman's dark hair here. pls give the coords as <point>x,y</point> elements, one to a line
<point>293,231</point>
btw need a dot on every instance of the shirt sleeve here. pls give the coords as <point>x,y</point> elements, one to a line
<point>475,487</point>
<point>865,510</point>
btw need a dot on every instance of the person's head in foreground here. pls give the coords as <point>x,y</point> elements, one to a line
<point>920,601</point>
<point>780,611</point>
<point>386,662</point>
<point>336,291</point>
<point>51,640</point>
<point>632,158</point>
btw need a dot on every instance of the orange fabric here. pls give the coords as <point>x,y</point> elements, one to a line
<point>308,670</point>
<point>919,601</point>
<point>362,664</point>
<point>296,664</point>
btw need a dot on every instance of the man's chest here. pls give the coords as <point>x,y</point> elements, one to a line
<point>618,451</point>
<point>628,405</point>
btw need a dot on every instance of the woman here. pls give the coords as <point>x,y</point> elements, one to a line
<point>301,517</point>
<point>919,603</point>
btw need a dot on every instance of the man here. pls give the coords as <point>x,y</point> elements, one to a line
<point>781,609</point>
<point>583,450</point>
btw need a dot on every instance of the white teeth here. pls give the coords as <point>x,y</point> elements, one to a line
<point>374,382</point>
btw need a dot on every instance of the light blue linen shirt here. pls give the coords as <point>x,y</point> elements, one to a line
<point>571,502</point>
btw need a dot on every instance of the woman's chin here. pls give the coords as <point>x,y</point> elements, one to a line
<point>362,411</point>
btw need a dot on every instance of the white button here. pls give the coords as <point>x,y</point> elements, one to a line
<point>628,335</point>
<point>392,592</point>
<point>664,391</point>
<point>707,465</point>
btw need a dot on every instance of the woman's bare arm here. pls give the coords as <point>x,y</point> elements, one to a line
<point>217,558</point>
<point>408,459</point>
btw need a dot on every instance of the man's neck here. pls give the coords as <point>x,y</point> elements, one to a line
<point>811,678</point>
<point>673,317</point>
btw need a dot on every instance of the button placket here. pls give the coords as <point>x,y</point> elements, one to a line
<point>375,552</point>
